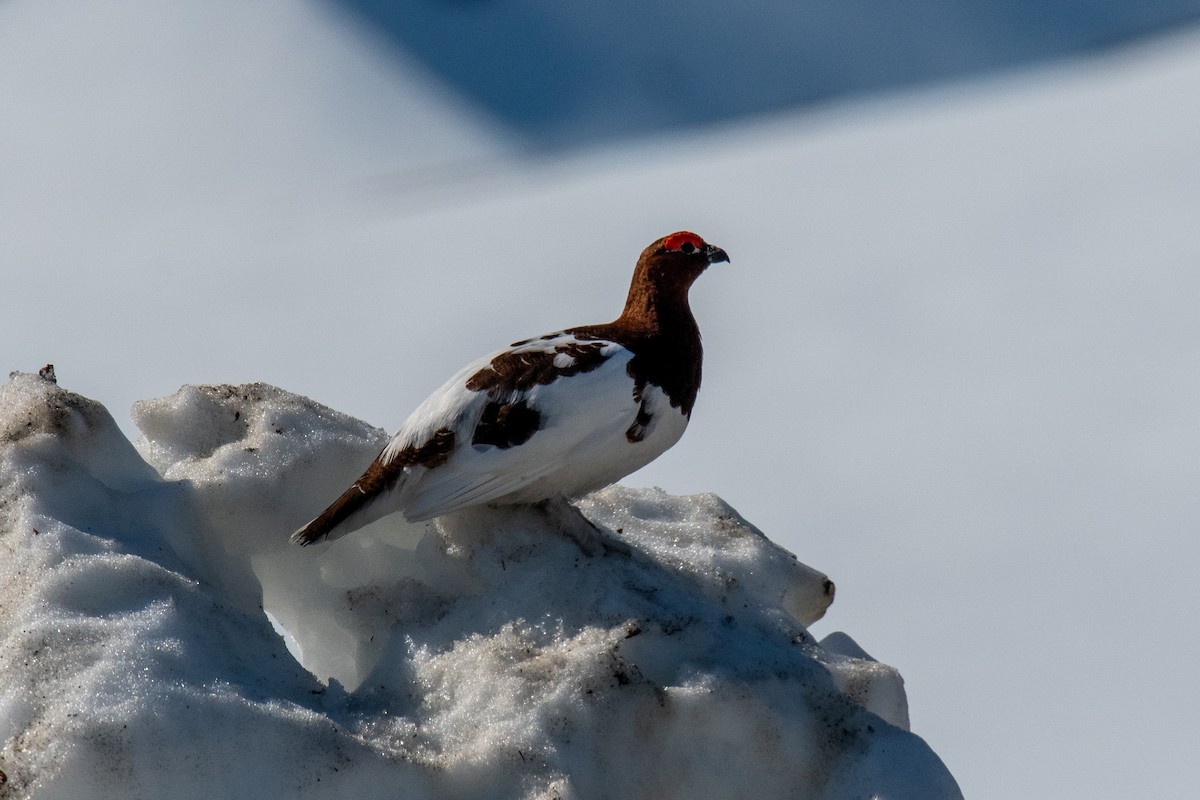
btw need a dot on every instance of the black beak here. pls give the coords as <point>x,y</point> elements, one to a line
<point>715,254</point>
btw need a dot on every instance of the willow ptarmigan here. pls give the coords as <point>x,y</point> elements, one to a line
<point>549,419</point>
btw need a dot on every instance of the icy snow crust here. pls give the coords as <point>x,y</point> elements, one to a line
<point>482,655</point>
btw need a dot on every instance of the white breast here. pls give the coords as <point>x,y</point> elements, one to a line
<point>608,455</point>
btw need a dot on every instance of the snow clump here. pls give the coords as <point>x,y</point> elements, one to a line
<point>159,637</point>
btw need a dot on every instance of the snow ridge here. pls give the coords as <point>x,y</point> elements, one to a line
<point>480,655</point>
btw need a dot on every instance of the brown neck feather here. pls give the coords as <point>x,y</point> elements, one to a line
<point>655,306</point>
<point>658,327</point>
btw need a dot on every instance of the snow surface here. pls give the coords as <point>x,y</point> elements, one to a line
<point>481,655</point>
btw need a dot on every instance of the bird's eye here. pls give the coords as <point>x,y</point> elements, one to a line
<point>688,247</point>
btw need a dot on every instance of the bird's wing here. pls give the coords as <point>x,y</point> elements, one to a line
<point>499,425</point>
<point>523,414</point>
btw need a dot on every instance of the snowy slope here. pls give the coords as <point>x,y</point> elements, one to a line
<point>570,74</point>
<point>480,656</point>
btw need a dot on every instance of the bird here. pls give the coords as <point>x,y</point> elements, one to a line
<point>549,419</point>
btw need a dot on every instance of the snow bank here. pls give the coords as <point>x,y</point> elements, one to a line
<point>482,655</point>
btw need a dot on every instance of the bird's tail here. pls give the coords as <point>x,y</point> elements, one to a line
<point>357,506</point>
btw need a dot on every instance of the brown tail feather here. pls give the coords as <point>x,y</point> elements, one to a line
<point>380,477</point>
<point>366,489</point>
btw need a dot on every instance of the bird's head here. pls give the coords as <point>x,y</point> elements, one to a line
<point>679,258</point>
<point>665,272</point>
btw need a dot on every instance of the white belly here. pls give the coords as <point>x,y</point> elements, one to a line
<point>596,464</point>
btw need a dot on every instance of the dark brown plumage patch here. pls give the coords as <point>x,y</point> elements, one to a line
<point>670,359</point>
<point>431,454</point>
<point>380,476</point>
<point>637,431</point>
<point>507,420</point>
<point>520,371</point>
<point>506,425</point>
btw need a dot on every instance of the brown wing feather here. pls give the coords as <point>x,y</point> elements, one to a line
<point>375,480</point>
<point>380,477</point>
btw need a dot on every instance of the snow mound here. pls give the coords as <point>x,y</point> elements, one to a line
<point>481,655</point>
